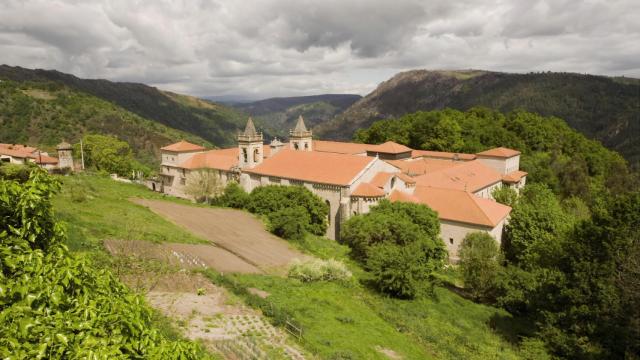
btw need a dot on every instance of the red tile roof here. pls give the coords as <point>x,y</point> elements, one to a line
<point>456,205</point>
<point>313,166</point>
<point>367,190</point>
<point>183,146</point>
<point>422,166</point>
<point>406,178</point>
<point>389,147</point>
<point>500,152</point>
<point>441,155</point>
<point>381,179</point>
<point>44,159</point>
<point>212,160</point>
<point>468,176</point>
<point>514,176</point>
<point>340,147</point>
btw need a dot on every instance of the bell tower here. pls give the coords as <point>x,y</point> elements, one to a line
<point>300,138</point>
<point>250,147</point>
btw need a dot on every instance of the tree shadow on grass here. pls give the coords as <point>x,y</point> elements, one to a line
<point>512,328</point>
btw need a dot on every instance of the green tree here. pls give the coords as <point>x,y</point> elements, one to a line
<point>479,262</point>
<point>400,245</point>
<point>505,195</point>
<point>266,200</point>
<point>107,153</point>
<point>446,136</point>
<point>536,228</point>
<point>233,196</point>
<point>289,223</point>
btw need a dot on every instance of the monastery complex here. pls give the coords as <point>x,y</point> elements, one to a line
<point>353,177</point>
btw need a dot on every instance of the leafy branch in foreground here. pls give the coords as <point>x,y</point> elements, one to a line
<point>54,305</point>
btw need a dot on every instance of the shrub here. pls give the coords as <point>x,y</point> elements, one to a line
<point>265,200</point>
<point>401,271</point>
<point>289,223</point>
<point>505,195</point>
<point>400,245</point>
<point>479,263</point>
<point>319,270</point>
<point>234,196</point>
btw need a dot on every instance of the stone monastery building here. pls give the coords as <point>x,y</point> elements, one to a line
<point>352,177</point>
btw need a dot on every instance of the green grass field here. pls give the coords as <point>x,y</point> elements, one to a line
<point>96,208</point>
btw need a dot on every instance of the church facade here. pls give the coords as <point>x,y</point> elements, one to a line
<point>352,177</point>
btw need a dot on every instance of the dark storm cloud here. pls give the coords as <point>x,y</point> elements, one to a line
<point>277,47</point>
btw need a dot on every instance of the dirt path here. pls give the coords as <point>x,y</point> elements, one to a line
<point>233,230</point>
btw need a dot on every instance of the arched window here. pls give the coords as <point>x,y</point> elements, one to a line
<point>256,155</point>
<point>306,146</point>
<point>295,146</point>
<point>245,156</point>
<point>393,181</point>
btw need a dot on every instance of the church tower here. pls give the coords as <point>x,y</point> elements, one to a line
<point>250,146</point>
<point>300,137</point>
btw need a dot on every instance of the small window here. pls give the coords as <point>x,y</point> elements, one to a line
<point>451,241</point>
<point>256,155</point>
<point>244,155</point>
<point>306,146</point>
<point>295,145</point>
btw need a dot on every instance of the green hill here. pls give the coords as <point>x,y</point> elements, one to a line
<point>44,113</point>
<point>602,108</point>
<point>278,115</point>
<point>213,122</point>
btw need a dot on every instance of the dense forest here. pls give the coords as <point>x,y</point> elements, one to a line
<point>602,108</point>
<point>569,259</point>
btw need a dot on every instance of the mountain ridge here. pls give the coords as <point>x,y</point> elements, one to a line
<point>603,108</point>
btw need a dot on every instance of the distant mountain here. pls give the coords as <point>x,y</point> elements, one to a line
<point>602,108</point>
<point>44,113</point>
<point>278,115</point>
<point>208,120</point>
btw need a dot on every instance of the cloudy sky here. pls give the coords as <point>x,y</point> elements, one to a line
<point>299,47</point>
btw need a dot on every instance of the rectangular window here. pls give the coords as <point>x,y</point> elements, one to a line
<point>451,241</point>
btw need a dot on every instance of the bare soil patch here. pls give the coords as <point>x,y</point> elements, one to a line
<point>233,230</point>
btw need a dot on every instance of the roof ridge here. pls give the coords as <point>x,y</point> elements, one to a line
<point>475,202</point>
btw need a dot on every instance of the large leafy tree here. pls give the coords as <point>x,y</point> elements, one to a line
<point>400,245</point>
<point>109,154</point>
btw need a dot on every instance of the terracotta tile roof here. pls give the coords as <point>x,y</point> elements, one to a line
<point>367,190</point>
<point>468,176</point>
<point>441,155</point>
<point>406,178</point>
<point>397,195</point>
<point>456,205</point>
<point>211,160</point>
<point>381,179</point>
<point>500,152</point>
<point>340,147</point>
<point>183,146</point>
<point>422,166</point>
<point>44,159</point>
<point>17,150</point>
<point>514,176</point>
<point>389,147</point>
<point>313,166</point>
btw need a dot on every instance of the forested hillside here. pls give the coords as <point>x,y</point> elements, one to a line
<point>278,115</point>
<point>602,108</point>
<point>569,256</point>
<point>213,122</point>
<point>45,113</point>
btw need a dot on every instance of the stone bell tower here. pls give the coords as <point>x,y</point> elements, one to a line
<point>250,146</point>
<point>300,138</point>
<point>65,155</point>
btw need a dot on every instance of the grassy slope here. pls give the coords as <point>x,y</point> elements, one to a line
<point>40,113</point>
<point>339,321</point>
<point>96,208</point>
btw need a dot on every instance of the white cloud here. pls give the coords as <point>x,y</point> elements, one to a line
<point>278,48</point>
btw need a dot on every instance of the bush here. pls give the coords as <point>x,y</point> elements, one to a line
<point>289,223</point>
<point>319,270</point>
<point>401,271</point>
<point>400,245</point>
<point>234,196</point>
<point>505,195</point>
<point>266,200</point>
<point>479,264</point>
